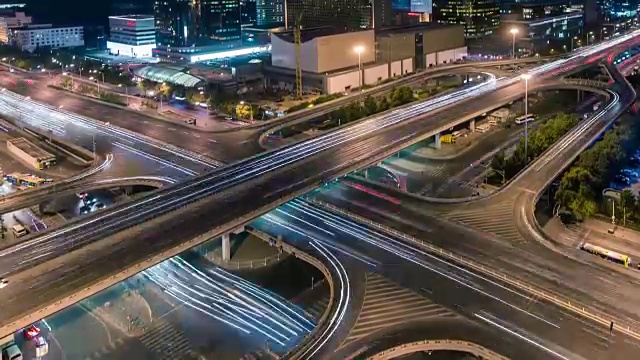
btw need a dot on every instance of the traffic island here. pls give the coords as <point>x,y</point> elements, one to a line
<point>130,313</point>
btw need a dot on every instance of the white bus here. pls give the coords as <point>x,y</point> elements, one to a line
<point>525,118</point>
<point>19,230</point>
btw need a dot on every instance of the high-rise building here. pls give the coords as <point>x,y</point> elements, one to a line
<point>479,17</point>
<point>342,15</point>
<point>270,12</point>
<point>132,35</point>
<point>196,23</point>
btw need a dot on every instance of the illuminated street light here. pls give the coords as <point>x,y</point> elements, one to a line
<point>513,32</point>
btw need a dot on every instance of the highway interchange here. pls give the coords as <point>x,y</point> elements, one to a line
<point>355,142</point>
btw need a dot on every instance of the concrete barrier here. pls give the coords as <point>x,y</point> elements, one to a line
<point>78,153</point>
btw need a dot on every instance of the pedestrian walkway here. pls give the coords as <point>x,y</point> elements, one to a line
<point>166,342</point>
<point>387,304</point>
<point>496,219</point>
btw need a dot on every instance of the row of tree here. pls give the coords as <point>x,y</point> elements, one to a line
<point>370,106</point>
<point>582,185</point>
<point>540,139</point>
<point>317,101</point>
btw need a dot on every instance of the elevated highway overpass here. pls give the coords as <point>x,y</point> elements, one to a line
<point>27,198</point>
<point>178,218</point>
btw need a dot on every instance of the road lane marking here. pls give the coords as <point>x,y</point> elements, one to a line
<point>172,129</point>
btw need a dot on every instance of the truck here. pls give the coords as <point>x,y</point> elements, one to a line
<point>447,139</point>
<point>7,341</point>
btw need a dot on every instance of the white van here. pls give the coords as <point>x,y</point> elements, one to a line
<point>19,230</point>
<point>12,353</point>
<point>483,128</point>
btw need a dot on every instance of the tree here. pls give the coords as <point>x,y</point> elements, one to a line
<point>383,105</point>
<point>165,89</point>
<point>627,203</point>
<point>370,105</point>
<point>66,82</point>
<point>243,111</point>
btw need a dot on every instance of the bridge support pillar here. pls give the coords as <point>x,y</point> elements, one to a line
<point>472,125</point>
<point>436,143</point>
<point>226,247</point>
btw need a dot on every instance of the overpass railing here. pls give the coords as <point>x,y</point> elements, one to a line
<point>437,345</point>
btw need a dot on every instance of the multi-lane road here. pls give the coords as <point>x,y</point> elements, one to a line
<point>527,325</point>
<point>252,186</point>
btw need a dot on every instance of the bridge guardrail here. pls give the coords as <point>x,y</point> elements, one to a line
<point>247,264</point>
<point>445,344</point>
<point>596,316</point>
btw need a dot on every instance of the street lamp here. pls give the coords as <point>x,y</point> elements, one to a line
<point>526,78</point>
<point>250,108</point>
<point>359,49</point>
<point>513,32</point>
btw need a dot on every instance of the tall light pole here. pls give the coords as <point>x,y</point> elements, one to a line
<point>359,50</point>
<point>513,32</point>
<point>526,78</point>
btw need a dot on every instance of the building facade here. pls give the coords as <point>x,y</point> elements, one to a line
<point>342,15</point>
<point>31,37</point>
<point>132,35</point>
<point>330,64</point>
<point>270,12</point>
<point>11,21</point>
<point>188,26</point>
<point>480,17</point>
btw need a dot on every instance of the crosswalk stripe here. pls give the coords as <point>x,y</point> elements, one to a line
<point>494,219</point>
<point>386,303</point>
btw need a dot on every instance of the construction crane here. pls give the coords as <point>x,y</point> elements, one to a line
<point>297,40</point>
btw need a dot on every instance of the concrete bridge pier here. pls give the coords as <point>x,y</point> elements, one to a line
<point>436,143</point>
<point>472,125</point>
<point>226,243</point>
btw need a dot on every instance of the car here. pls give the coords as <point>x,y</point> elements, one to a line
<point>99,206</point>
<point>31,332</point>
<point>228,118</point>
<point>3,282</point>
<point>85,210</point>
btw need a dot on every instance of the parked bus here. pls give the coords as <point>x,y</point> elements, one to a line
<point>20,179</point>
<point>525,118</point>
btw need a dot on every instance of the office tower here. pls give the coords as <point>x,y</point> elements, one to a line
<point>196,23</point>
<point>248,11</point>
<point>343,15</point>
<point>480,17</point>
<point>270,12</point>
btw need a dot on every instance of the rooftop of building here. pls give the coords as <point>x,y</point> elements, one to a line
<point>132,17</point>
<point>45,27</point>
<point>171,74</point>
<point>30,148</point>
<point>309,33</point>
<point>402,29</point>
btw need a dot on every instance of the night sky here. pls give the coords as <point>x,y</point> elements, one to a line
<point>83,12</point>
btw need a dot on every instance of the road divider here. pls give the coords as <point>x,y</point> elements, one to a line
<point>563,302</point>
